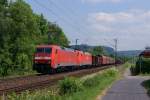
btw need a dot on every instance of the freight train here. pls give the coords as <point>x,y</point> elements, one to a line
<point>49,58</point>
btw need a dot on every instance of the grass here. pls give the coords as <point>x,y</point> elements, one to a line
<point>99,83</point>
<point>128,65</point>
<point>75,88</point>
<point>145,74</point>
<point>15,74</point>
<point>123,68</point>
<point>90,93</point>
<point>16,71</point>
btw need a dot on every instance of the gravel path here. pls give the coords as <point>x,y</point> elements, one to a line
<point>129,88</point>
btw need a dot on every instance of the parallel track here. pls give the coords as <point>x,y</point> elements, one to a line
<point>40,81</point>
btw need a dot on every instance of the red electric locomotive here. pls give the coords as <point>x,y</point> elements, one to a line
<point>50,57</point>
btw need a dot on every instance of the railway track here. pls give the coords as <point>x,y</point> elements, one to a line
<point>40,81</point>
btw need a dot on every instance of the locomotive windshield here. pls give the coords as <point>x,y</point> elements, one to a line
<point>44,50</point>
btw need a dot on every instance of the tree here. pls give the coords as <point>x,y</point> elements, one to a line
<point>5,29</point>
<point>20,31</point>
<point>98,50</point>
<point>24,31</point>
<point>3,2</point>
<point>56,35</point>
<point>43,25</point>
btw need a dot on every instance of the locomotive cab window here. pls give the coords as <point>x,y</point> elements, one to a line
<point>44,50</point>
<point>48,50</point>
<point>39,50</point>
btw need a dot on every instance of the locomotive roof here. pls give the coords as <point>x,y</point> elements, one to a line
<point>46,46</point>
<point>55,46</point>
<point>59,47</point>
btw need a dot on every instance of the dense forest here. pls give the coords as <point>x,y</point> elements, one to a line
<point>20,31</point>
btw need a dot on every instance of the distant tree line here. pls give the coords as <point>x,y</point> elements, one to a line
<point>98,50</point>
<point>20,31</point>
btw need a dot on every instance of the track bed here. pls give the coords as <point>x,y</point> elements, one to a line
<point>40,81</point>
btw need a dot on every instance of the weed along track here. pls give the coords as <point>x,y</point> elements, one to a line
<point>40,81</point>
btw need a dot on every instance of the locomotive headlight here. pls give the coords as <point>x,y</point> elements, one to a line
<point>37,58</point>
<point>47,58</point>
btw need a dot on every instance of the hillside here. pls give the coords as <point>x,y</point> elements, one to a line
<point>108,50</point>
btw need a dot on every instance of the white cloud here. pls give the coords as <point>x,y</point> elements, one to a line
<point>131,27</point>
<point>120,21</point>
<point>101,1</point>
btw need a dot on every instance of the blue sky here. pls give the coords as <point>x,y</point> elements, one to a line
<point>98,22</point>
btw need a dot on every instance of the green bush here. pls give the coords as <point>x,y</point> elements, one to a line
<point>146,84</point>
<point>69,85</point>
<point>4,70</point>
<point>91,82</point>
<point>142,66</point>
<point>111,73</point>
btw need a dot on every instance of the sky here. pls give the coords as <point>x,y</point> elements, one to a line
<point>99,22</point>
